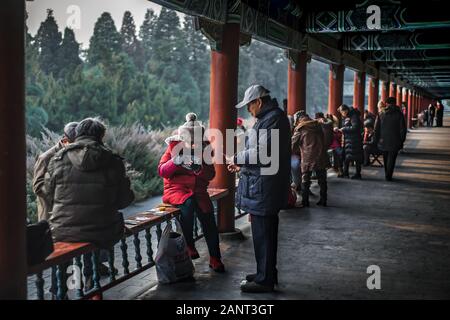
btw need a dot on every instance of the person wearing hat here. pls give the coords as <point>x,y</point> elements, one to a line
<point>260,194</point>
<point>186,179</point>
<point>40,168</point>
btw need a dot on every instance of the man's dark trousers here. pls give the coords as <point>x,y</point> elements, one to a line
<point>265,243</point>
<point>389,158</point>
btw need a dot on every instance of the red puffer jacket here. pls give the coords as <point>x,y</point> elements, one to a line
<point>180,183</point>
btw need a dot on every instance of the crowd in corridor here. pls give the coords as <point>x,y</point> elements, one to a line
<point>82,185</point>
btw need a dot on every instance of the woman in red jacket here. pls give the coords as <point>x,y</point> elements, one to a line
<point>186,180</point>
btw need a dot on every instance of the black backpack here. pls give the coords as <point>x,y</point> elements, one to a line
<point>39,242</point>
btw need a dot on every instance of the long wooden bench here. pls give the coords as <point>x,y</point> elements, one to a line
<point>65,251</point>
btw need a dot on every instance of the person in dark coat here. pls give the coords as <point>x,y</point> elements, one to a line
<point>439,114</point>
<point>431,114</point>
<point>309,138</point>
<point>263,186</point>
<point>369,143</point>
<point>353,146</point>
<point>86,185</point>
<point>327,128</point>
<point>40,168</point>
<point>390,134</point>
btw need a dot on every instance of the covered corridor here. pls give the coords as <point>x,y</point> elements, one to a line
<point>402,226</point>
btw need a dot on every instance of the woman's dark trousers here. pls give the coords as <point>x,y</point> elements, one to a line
<point>207,220</point>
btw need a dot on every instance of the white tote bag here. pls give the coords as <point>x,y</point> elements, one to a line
<point>173,262</point>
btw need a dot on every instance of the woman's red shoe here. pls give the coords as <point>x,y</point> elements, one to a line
<point>216,264</point>
<point>193,253</point>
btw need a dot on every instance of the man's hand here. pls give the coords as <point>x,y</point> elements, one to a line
<point>233,168</point>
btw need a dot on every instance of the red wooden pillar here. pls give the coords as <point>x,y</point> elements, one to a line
<point>410,105</point>
<point>373,95</point>
<point>392,89</point>
<point>399,98</point>
<point>223,114</point>
<point>336,87</point>
<point>359,91</point>
<point>13,269</point>
<point>415,104</point>
<point>384,90</point>
<point>405,97</point>
<point>297,82</point>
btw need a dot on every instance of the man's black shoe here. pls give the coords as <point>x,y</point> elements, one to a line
<point>356,176</point>
<point>251,277</point>
<point>322,203</point>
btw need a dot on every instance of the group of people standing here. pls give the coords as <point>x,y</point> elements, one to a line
<point>348,140</point>
<point>434,111</point>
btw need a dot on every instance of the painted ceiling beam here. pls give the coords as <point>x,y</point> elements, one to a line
<point>402,40</point>
<point>409,55</point>
<point>419,65</point>
<point>378,15</point>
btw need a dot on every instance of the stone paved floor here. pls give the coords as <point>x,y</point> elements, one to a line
<point>402,226</point>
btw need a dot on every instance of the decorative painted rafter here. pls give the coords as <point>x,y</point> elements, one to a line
<point>397,40</point>
<point>215,10</point>
<point>409,55</point>
<point>394,15</point>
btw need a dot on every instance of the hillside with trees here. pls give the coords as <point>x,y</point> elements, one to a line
<point>141,80</point>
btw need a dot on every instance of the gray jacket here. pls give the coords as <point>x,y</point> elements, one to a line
<point>40,168</point>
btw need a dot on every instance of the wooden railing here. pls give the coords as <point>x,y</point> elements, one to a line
<point>85,257</point>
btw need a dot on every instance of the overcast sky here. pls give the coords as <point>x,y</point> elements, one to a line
<point>90,11</point>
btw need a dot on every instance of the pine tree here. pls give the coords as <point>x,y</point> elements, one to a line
<point>48,40</point>
<point>167,42</point>
<point>105,42</point>
<point>69,53</point>
<point>146,33</point>
<point>199,63</point>
<point>130,42</point>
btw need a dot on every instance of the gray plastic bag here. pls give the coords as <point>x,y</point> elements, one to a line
<point>172,260</point>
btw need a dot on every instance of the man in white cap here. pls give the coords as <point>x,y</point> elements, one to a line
<point>263,195</point>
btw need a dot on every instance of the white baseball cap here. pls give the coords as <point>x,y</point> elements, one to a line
<point>253,92</point>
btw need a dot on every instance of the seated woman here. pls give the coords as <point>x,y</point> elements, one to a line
<point>186,179</point>
<point>338,152</point>
<point>369,144</point>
